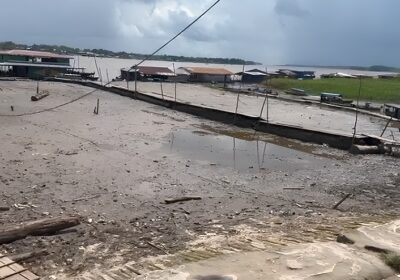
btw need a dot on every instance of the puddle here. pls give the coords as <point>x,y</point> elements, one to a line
<point>244,152</point>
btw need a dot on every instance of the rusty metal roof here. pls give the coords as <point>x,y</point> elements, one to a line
<point>207,71</point>
<point>38,54</point>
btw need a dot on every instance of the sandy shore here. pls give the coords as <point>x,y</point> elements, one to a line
<point>127,160</point>
<point>307,116</point>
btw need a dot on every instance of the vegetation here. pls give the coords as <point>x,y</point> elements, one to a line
<point>106,53</point>
<point>374,68</point>
<point>371,89</point>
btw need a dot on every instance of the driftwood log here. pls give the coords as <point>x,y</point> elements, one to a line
<point>39,96</point>
<point>4,208</point>
<point>26,256</point>
<point>363,150</point>
<point>38,227</point>
<point>182,199</point>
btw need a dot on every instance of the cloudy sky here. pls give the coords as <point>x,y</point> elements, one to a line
<point>314,32</point>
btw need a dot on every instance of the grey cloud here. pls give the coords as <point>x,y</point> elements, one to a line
<point>290,8</point>
<point>313,31</point>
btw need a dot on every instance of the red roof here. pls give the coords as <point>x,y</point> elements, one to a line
<point>38,54</point>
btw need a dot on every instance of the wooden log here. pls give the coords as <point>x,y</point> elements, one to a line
<point>363,150</point>
<point>4,208</point>
<point>39,96</point>
<point>27,256</point>
<point>38,227</point>
<point>182,199</point>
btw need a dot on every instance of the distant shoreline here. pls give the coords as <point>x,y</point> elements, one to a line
<point>124,55</point>
<point>374,68</point>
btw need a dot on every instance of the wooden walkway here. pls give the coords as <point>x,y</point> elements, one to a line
<point>9,270</point>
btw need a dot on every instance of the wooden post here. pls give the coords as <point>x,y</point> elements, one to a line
<point>262,108</point>
<point>266,100</point>
<point>241,81</point>
<point>37,87</point>
<point>101,76</point>
<point>162,91</point>
<point>357,110</point>
<point>237,101</point>
<point>341,201</point>
<point>387,124</point>
<point>135,79</point>
<point>173,65</point>
<point>97,68</point>
<point>237,104</point>
<point>266,70</point>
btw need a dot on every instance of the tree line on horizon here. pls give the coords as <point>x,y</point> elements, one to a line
<point>107,53</point>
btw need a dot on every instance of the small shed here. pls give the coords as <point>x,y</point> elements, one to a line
<point>207,75</point>
<point>254,76</point>
<point>147,73</point>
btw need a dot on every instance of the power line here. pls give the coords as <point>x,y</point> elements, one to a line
<point>146,58</point>
<point>177,35</point>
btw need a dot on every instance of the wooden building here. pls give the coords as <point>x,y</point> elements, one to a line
<point>254,76</point>
<point>207,75</point>
<point>33,64</point>
<point>147,73</point>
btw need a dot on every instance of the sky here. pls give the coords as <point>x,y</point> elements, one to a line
<point>307,32</point>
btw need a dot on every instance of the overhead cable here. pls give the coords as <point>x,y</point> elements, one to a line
<point>146,58</point>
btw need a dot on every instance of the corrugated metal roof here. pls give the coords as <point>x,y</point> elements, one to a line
<point>152,70</point>
<point>38,54</point>
<point>252,73</point>
<point>207,71</point>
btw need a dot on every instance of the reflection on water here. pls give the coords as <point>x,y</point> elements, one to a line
<point>240,154</point>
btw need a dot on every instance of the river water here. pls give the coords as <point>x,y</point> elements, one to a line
<point>111,66</point>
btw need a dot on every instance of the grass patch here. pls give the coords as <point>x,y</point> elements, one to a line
<point>392,260</point>
<point>380,90</point>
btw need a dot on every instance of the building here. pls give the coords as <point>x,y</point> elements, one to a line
<point>254,76</point>
<point>206,74</point>
<point>389,76</point>
<point>147,73</point>
<point>298,75</point>
<point>33,64</point>
<point>338,75</point>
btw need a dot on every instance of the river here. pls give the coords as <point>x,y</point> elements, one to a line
<point>111,66</point>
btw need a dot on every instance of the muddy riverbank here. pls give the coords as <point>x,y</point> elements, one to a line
<point>116,169</point>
